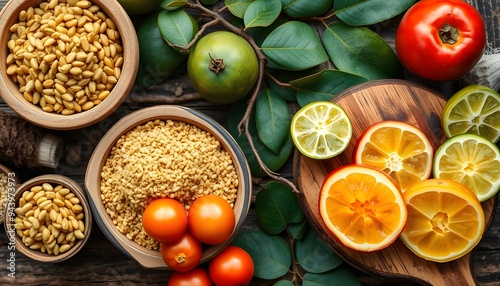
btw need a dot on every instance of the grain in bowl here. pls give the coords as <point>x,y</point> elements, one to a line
<point>158,159</point>
<point>65,55</point>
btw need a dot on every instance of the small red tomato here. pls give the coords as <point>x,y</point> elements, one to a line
<point>440,39</point>
<point>183,254</point>
<point>165,220</point>
<point>197,276</point>
<point>211,219</point>
<point>232,267</point>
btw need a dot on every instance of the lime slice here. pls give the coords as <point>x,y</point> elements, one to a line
<point>321,130</point>
<point>471,160</point>
<point>474,110</point>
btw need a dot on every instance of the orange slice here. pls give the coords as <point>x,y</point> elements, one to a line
<point>363,207</point>
<point>445,220</point>
<point>399,149</point>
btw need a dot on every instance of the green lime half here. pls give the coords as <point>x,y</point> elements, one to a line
<point>473,110</point>
<point>471,160</point>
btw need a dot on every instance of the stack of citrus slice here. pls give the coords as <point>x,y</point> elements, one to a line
<point>445,220</point>
<point>362,207</point>
<point>399,149</point>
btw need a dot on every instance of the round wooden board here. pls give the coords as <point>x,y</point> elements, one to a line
<point>366,104</point>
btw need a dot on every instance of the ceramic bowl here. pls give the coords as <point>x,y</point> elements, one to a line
<point>9,90</point>
<point>37,254</point>
<point>146,257</point>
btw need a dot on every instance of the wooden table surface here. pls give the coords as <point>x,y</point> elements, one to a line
<point>101,262</point>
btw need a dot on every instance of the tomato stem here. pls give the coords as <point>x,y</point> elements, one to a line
<point>448,34</point>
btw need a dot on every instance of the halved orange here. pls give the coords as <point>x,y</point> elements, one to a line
<point>445,220</point>
<point>362,207</point>
<point>399,149</point>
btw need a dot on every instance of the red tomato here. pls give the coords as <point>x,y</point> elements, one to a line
<point>183,254</point>
<point>211,219</point>
<point>233,266</point>
<point>165,220</point>
<point>440,39</point>
<point>197,276</point>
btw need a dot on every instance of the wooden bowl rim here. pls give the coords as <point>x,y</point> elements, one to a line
<point>146,257</point>
<point>33,113</point>
<point>78,191</point>
<point>6,170</point>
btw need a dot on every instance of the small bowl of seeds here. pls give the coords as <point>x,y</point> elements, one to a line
<point>8,184</point>
<point>164,151</point>
<point>50,220</point>
<point>66,64</point>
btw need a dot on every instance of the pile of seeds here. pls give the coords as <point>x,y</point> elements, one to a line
<point>50,219</point>
<point>66,55</point>
<point>163,159</point>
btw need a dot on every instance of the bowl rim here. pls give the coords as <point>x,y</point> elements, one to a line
<point>33,113</point>
<point>78,191</point>
<point>146,257</point>
<point>6,170</point>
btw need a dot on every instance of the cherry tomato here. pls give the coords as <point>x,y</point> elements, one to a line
<point>440,39</point>
<point>183,254</point>
<point>222,67</point>
<point>211,219</point>
<point>165,220</point>
<point>233,266</point>
<point>197,276</point>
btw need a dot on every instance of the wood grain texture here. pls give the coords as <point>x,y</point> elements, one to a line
<point>367,104</point>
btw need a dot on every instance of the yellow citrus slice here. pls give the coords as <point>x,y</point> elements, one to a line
<point>474,109</point>
<point>445,220</point>
<point>321,130</point>
<point>472,161</point>
<point>362,207</point>
<point>399,149</point>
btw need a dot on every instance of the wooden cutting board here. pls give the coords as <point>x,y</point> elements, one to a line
<point>366,104</point>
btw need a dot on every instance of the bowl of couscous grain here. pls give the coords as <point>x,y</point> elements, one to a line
<point>157,152</point>
<point>66,64</point>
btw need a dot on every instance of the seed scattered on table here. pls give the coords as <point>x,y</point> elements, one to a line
<point>60,55</point>
<point>163,158</point>
<point>44,222</point>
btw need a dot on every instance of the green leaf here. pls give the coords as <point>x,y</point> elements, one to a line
<point>361,51</point>
<point>324,85</point>
<point>367,12</point>
<point>237,7</point>
<point>261,13</point>
<point>271,254</point>
<point>273,119</point>
<point>298,230</point>
<point>314,255</point>
<point>177,26</point>
<point>294,46</point>
<point>284,283</point>
<point>304,8</point>
<point>273,161</point>
<point>173,4</point>
<point>277,206</point>
<point>340,276</point>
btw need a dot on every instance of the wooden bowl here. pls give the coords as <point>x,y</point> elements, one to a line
<point>9,90</point>
<point>54,180</point>
<point>12,183</point>
<point>146,257</point>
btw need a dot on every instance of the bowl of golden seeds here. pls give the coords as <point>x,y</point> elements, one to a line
<point>164,151</point>
<point>50,219</point>
<point>66,64</point>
